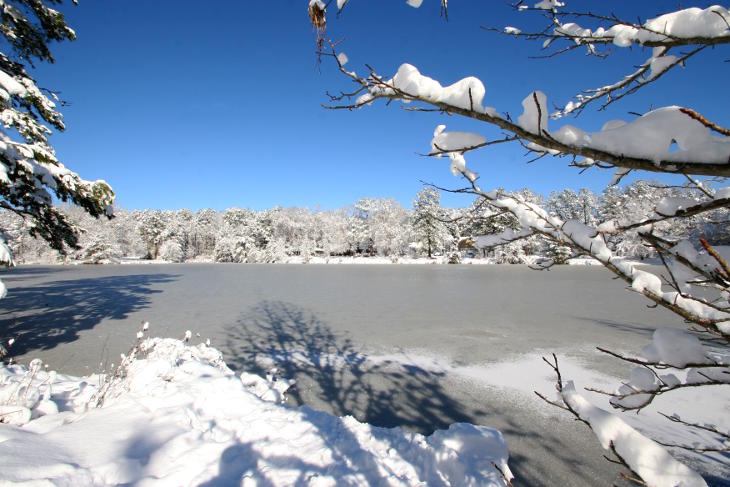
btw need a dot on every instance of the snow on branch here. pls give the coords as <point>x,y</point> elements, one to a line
<point>642,144</point>
<point>723,437</point>
<point>671,139</point>
<point>669,208</point>
<point>643,457</point>
<point>669,349</point>
<point>31,176</point>
<point>691,27</point>
<point>587,240</point>
<point>685,27</point>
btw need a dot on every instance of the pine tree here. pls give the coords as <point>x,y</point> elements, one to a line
<point>30,174</point>
<point>430,231</point>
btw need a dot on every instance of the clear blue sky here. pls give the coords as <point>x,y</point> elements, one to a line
<point>193,105</point>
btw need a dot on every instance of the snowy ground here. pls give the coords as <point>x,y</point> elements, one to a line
<point>179,416</point>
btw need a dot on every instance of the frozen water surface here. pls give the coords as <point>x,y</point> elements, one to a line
<point>414,346</point>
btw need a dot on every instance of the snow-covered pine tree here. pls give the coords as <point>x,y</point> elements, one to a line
<point>30,174</point>
<point>151,227</point>
<point>428,228</point>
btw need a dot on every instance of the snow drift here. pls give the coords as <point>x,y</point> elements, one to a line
<point>179,416</point>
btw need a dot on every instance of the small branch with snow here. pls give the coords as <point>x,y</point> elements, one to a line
<point>722,437</point>
<point>623,146</point>
<point>646,461</point>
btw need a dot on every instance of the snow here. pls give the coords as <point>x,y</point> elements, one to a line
<point>724,327</point>
<point>466,93</point>
<point>458,166</point>
<point>488,241</point>
<point>454,141</point>
<point>342,58</point>
<point>179,416</point>
<point>689,23</point>
<point>722,193</point>
<point>532,111</point>
<point>646,281</point>
<point>650,136</point>
<point>659,64</point>
<point>692,22</point>
<point>652,462</point>
<point>675,348</point>
<point>549,4</point>
<point>11,85</point>
<point>517,377</point>
<point>511,30</point>
<point>668,206</point>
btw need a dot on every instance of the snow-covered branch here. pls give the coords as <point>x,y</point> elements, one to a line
<point>643,144</point>
<point>644,458</point>
<point>692,27</point>
<point>672,139</point>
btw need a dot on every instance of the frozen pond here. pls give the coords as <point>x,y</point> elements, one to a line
<point>391,345</point>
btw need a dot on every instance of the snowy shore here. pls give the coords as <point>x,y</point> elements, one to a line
<point>375,260</point>
<point>179,416</point>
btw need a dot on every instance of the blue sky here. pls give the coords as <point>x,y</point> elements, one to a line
<point>218,104</point>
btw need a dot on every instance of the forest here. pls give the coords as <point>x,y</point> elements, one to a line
<point>370,227</point>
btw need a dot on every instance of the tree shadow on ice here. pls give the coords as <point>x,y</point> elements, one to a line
<point>22,273</point>
<point>41,317</point>
<point>334,376</point>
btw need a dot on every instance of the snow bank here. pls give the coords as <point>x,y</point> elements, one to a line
<point>180,416</point>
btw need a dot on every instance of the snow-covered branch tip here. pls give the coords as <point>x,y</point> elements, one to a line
<point>646,461</point>
<point>693,27</point>
<point>685,27</point>
<point>722,437</point>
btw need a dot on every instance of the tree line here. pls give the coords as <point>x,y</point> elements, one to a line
<point>370,227</point>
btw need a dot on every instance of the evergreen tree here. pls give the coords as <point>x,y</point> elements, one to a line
<point>428,228</point>
<point>30,174</point>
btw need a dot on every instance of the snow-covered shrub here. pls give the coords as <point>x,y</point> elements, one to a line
<point>172,251</point>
